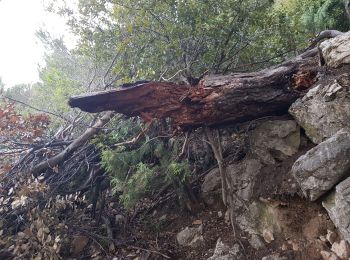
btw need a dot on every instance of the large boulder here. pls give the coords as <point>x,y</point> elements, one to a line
<point>336,51</point>
<point>324,110</point>
<point>323,166</point>
<point>337,205</point>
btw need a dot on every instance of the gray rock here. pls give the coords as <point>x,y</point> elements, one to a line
<point>337,205</point>
<point>224,252</point>
<point>336,51</point>
<point>323,166</point>
<point>256,242</point>
<point>257,217</point>
<point>120,221</point>
<point>191,237</point>
<point>241,177</point>
<point>276,139</point>
<point>323,111</point>
<point>211,187</point>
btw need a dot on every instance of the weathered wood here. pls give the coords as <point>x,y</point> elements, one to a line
<point>70,149</point>
<point>215,100</point>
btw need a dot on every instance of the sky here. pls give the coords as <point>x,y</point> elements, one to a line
<point>20,50</point>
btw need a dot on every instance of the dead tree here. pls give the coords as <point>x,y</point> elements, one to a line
<point>216,99</point>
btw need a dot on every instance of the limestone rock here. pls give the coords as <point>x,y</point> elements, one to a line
<point>323,166</point>
<point>323,111</point>
<point>191,237</point>
<point>256,218</point>
<point>242,177</point>
<point>211,187</point>
<point>337,205</point>
<point>256,242</point>
<point>224,252</point>
<point>268,236</point>
<point>277,139</point>
<point>336,51</point>
<point>341,249</point>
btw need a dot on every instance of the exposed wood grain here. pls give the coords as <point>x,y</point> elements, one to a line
<point>215,100</point>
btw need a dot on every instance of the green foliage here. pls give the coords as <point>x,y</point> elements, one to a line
<point>178,171</point>
<point>137,186</point>
<point>312,16</point>
<point>135,171</point>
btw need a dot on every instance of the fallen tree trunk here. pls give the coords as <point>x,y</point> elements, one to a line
<point>216,99</point>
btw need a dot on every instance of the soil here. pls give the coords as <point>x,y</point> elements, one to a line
<point>301,225</point>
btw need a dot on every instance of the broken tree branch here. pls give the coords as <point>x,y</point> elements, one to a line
<point>87,135</point>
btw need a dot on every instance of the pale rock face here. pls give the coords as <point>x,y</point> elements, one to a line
<point>329,255</point>
<point>337,205</point>
<point>323,166</point>
<point>336,51</point>
<point>278,139</point>
<point>324,110</point>
<point>341,249</point>
<point>270,141</point>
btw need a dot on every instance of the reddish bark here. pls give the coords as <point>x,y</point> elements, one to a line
<point>215,100</point>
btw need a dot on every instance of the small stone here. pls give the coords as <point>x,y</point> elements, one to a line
<point>268,236</point>
<point>119,221</point>
<point>284,247</point>
<point>220,214</point>
<point>323,238</point>
<point>295,246</point>
<point>163,218</point>
<point>328,255</point>
<point>197,222</point>
<point>331,236</point>
<point>341,249</point>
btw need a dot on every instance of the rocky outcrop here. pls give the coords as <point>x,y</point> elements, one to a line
<point>338,206</point>
<point>323,166</point>
<point>336,51</point>
<point>324,110</point>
